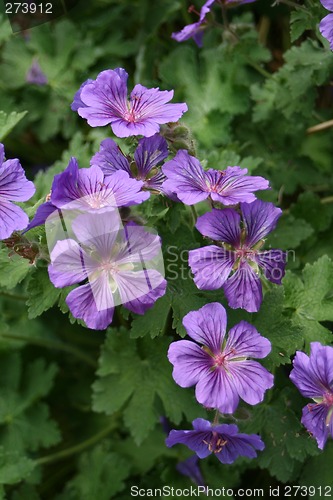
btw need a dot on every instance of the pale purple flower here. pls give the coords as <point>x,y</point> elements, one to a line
<point>151,151</point>
<point>104,101</point>
<point>35,74</point>
<point>238,263</point>
<point>188,180</point>
<point>89,189</point>
<point>114,260</point>
<point>313,376</point>
<point>196,30</point>
<point>14,186</point>
<point>326,24</point>
<point>219,365</point>
<point>223,440</point>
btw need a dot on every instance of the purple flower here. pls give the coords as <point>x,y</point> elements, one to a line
<point>150,152</point>
<point>235,265</point>
<point>190,467</point>
<point>89,189</point>
<point>219,366</point>
<point>196,30</point>
<point>223,440</point>
<point>313,376</point>
<point>35,74</point>
<point>188,180</point>
<point>77,103</point>
<point>114,260</point>
<point>14,186</point>
<point>104,101</point>
<point>326,24</point>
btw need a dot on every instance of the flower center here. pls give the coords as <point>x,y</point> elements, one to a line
<point>215,445</point>
<point>328,399</point>
<point>219,359</point>
<point>244,253</point>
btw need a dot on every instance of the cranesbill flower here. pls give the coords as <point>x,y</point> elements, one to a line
<point>190,467</point>
<point>104,101</point>
<point>112,265</point>
<point>35,74</point>
<point>326,24</point>
<point>14,186</point>
<point>219,366</point>
<point>188,180</point>
<point>237,263</point>
<point>223,440</point>
<point>196,30</point>
<point>89,189</point>
<point>151,151</point>
<point>313,376</point>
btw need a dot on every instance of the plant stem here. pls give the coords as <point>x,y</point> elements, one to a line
<point>320,126</point>
<point>52,344</point>
<point>13,296</point>
<point>328,199</point>
<point>73,450</point>
<point>194,214</point>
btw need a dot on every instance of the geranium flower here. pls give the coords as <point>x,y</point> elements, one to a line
<point>35,74</point>
<point>89,189</point>
<point>219,366</point>
<point>188,180</point>
<point>104,101</point>
<point>114,260</point>
<point>313,377</point>
<point>14,186</point>
<point>151,151</point>
<point>235,265</point>
<point>223,440</point>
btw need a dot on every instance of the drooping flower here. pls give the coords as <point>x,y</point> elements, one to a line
<point>219,366</point>
<point>196,30</point>
<point>326,24</point>
<point>237,264</point>
<point>223,440</point>
<point>104,101</point>
<point>151,151</point>
<point>313,376</point>
<point>89,189</point>
<point>188,180</point>
<point>35,74</point>
<point>14,186</point>
<point>190,467</point>
<point>117,262</point>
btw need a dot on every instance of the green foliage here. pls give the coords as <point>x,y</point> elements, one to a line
<point>8,122</point>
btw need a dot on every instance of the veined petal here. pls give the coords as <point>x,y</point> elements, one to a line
<point>194,440</point>
<point>260,218</point>
<point>14,186</point>
<point>141,304</point>
<point>232,185</point>
<point>12,218</point>
<point>139,245</point>
<point>273,263</point>
<point>150,152</point>
<point>207,326</point>
<point>139,286</point>
<point>126,191</point>
<point>110,159</point>
<point>245,341</point>
<point>152,104</point>
<point>69,264</point>
<point>77,103</point>
<point>42,213</point>
<point>211,266</point>
<point>326,28</point>
<point>314,418</point>
<point>186,178</point>
<point>64,186</point>
<point>243,289</point>
<point>250,380</point>
<point>328,4</point>
<point>215,389</point>
<point>241,445</point>
<point>189,362</point>
<point>221,225</point>
<point>82,305</point>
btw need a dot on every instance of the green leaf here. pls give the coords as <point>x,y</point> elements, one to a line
<point>154,320</point>
<point>13,268</point>
<point>309,208</point>
<point>42,294</point>
<point>270,321</point>
<point>21,412</point>
<point>309,299</point>
<point>289,233</point>
<point>101,474</point>
<point>14,467</point>
<point>317,472</point>
<point>9,121</point>
<point>133,374</point>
